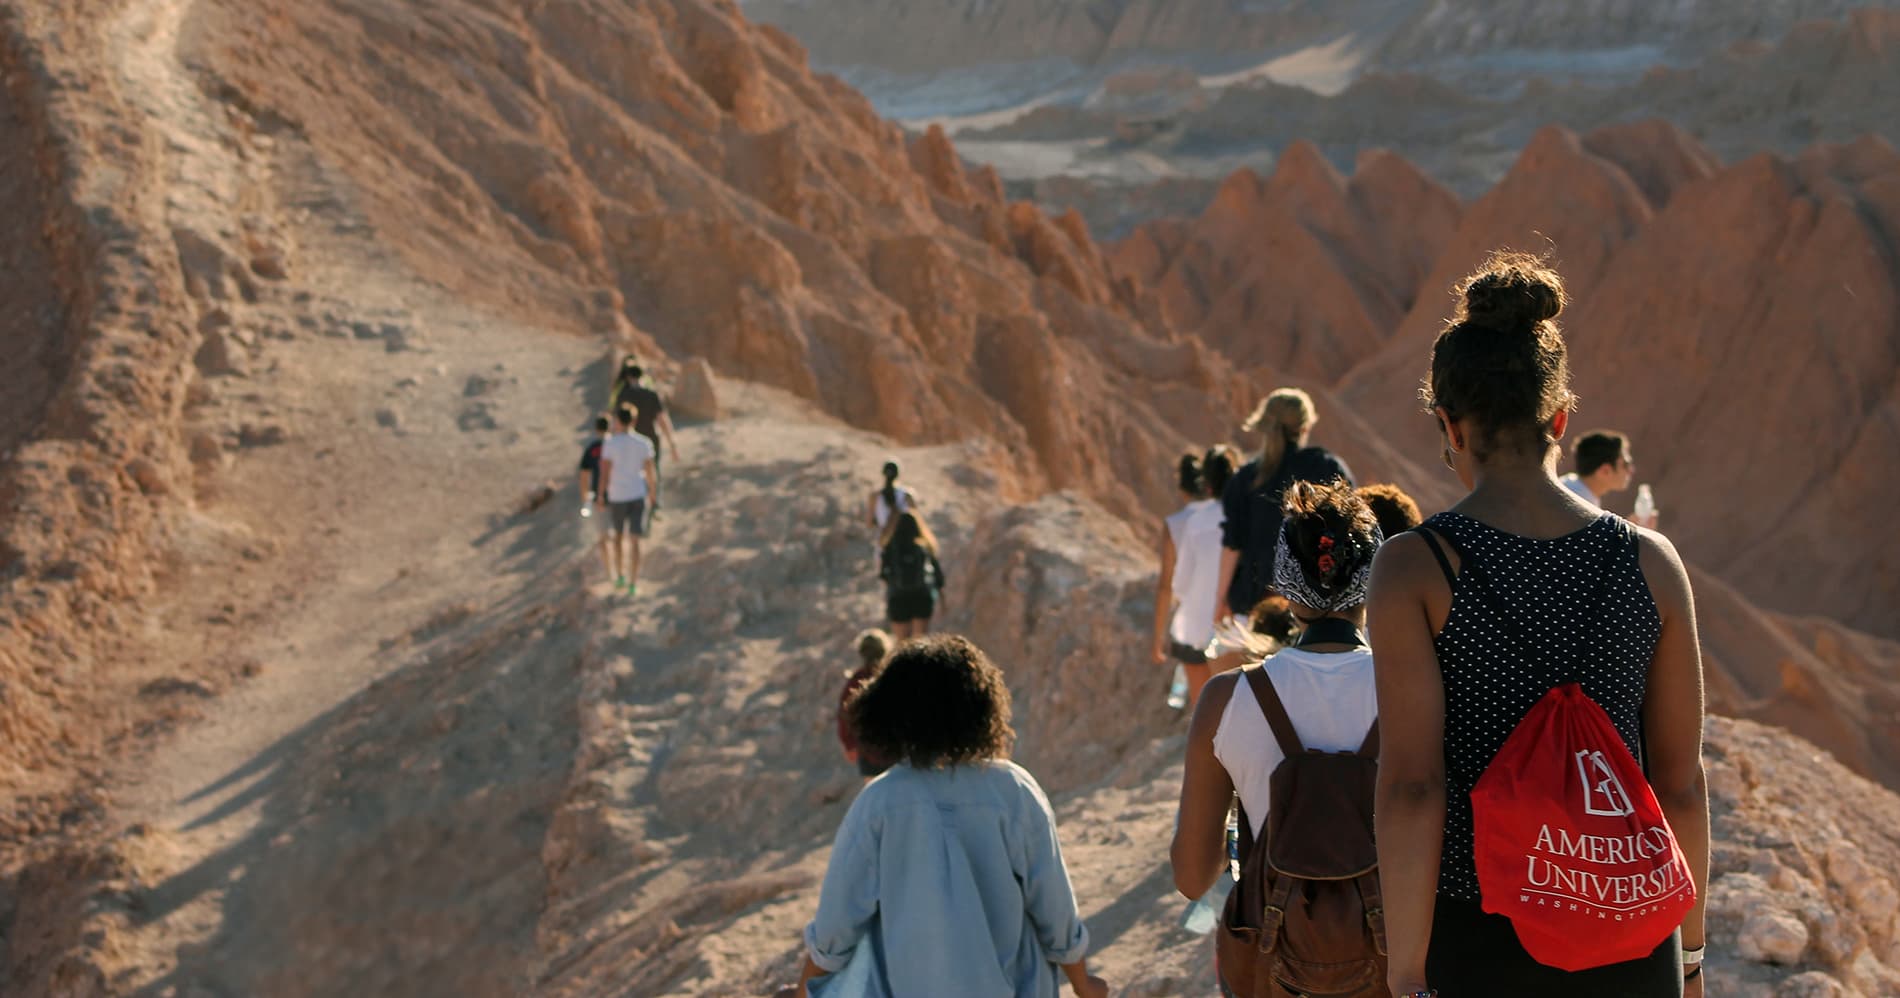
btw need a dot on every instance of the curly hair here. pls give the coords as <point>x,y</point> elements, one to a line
<point>1395,511</point>
<point>1273,617</point>
<point>1330,530</point>
<point>939,701</point>
<point>1501,360</point>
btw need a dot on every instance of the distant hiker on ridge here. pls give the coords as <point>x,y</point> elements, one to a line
<point>1253,496</point>
<point>589,480</point>
<point>913,580</point>
<point>627,477</point>
<point>946,877</point>
<point>650,418</point>
<point>1190,551</point>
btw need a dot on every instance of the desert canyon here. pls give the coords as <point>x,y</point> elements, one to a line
<point>307,686</point>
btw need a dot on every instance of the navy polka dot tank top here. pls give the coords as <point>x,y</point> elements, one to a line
<point>1529,614</point>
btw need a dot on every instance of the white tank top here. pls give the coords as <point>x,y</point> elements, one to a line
<point>1195,529</point>
<point>883,509</point>
<point>1331,700</point>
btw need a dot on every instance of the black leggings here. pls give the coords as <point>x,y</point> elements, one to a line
<point>1475,955</point>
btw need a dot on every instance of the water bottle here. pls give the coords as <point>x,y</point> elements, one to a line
<point>1177,691</point>
<point>1203,913</point>
<point>1201,917</point>
<point>1645,504</point>
<point>1233,843</point>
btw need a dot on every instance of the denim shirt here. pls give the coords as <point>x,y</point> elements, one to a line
<point>946,882</point>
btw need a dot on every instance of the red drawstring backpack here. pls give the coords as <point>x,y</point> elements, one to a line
<point>1570,843</point>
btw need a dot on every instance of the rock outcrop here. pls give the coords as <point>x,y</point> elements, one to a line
<point>99,335</point>
<point>1303,271</point>
<point>749,212</point>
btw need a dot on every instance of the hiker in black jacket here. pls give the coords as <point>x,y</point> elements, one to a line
<point>1253,497</point>
<point>913,580</point>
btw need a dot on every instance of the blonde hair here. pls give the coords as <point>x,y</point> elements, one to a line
<point>873,645</point>
<point>909,527</point>
<point>1282,417</point>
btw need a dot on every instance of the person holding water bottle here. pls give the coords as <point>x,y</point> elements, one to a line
<point>1190,572</point>
<point>1605,466</point>
<point>1322,683</point>
<point>589,482</point>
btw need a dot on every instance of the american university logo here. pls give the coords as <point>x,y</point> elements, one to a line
<point>1603,793</point>
<point>1631,873</point>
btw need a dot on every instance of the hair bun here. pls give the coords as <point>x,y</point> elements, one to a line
<point>1188,473</point>
<point>1513,292</point>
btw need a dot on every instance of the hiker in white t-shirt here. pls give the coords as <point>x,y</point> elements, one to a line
<point>1324,679</point>
<point>1604,466</point>
<point>626,477</point>
<point>1189,582</point>
<point>884,504</point>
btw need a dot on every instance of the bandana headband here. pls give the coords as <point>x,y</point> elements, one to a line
<point>1290,579</point>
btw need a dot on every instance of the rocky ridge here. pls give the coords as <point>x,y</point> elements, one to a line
<point>221,193</point>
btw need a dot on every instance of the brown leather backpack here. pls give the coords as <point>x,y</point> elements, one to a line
<point>1307,917</point>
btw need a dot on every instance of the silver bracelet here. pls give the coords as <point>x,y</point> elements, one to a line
<point>1693,957</point>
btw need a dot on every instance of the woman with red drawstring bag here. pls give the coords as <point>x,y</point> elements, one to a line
<point>1542,817</point>
<point>1570,843</point>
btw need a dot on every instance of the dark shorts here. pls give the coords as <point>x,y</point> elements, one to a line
<point>1186,655</point>
<point>629,517</point>
<point>1476,955</point>
<point>910,604</point>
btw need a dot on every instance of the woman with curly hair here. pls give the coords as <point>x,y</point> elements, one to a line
<point>946,876</point>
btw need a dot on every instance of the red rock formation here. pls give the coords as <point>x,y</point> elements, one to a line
<point>749,211</point>
<point>1768,298</point>
<point>1658,156</point>
<point>1305,271</point>
<point>1694,286</point>
<point>1559,197</point>
<point>98,340</point>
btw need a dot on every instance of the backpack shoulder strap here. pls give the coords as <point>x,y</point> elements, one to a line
<point>1269,700</point>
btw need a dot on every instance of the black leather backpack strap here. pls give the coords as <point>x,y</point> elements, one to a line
<point>1275,711</point>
